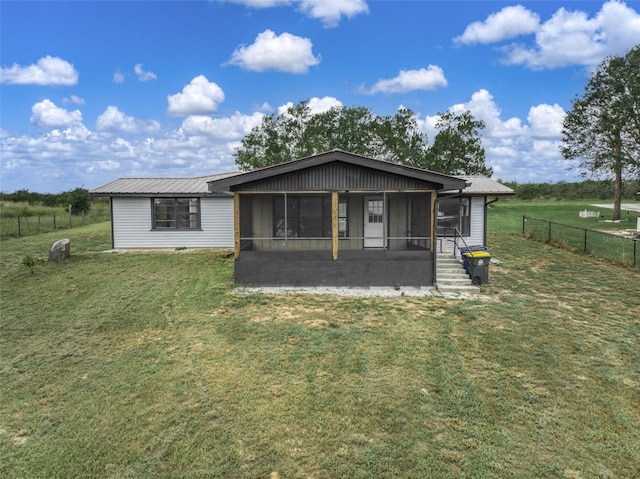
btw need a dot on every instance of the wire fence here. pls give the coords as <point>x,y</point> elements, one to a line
<point>28,225</point>
<point>615,247</point>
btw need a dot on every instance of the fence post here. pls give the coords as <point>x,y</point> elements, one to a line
<point>549,222</point>
<point>524,221</point>
<point>18,225</point>
<point>54,221</point>
<point>585,240</point>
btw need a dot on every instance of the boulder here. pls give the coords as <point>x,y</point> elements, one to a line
<point>60,250</point>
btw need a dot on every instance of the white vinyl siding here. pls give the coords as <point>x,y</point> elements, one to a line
<point>476,230</point>
<point>132,226</point>
<point>476,224</point>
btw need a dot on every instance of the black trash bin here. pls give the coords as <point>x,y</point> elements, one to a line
<point>478,264</point>
<point>470,249</point>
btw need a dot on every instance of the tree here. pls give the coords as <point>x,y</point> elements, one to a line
<point>400,139</point>
<point>79,200</point>
<point>457,148</point>
<point>298,133</point>
<point>602,129</point>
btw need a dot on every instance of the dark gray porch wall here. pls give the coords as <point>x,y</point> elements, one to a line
<point>353,268</point>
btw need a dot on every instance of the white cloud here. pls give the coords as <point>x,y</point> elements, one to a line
<point>113,120</point>
<point>508,23</point>
<point>316,105</point>
<point>286,53</point>
<point>142,75</point>
<point>76,100</point>
<point>118,77</point>
<point>199,97</point>
<point>234,127</point>
<point>546,120</point>
<point>572,38</point>
<point>516,150</point>
<point>46,114</point>
<point>429,78</point>
<point>331,12</point>
<point>52,71</point>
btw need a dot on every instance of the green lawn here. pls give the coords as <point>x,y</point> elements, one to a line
<point>148,365</point>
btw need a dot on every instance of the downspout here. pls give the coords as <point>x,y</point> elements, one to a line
<point>486,206</point>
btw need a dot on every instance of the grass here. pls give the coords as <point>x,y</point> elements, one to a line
<point>506,214</point>
<point>25,219</point>
<point>149,365</point>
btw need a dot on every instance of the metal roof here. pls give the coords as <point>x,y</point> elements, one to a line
<point>481,185</point>
<point>159,186</point>
<point>444,182</point>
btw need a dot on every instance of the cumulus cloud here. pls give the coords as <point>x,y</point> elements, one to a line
<point>234,127</point>
<point>572,38</point>
<point>429,78</point>
<point>46,114</point>
<point>508,23</point>
<point>142,75</point>
<point>316,105</point>
<point>199,97</point>
<point>286,53</point>
<point>546,120</point>
<point>51,71</point>
<point>328,12</point>
<point>518,151</point>
<point>115,121</point>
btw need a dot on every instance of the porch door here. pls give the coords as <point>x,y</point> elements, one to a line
<point>374,222</point>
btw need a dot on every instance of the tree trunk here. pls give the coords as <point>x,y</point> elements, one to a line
<point>618,181</point>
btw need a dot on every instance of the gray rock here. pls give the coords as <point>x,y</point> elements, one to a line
<point>60,250</point>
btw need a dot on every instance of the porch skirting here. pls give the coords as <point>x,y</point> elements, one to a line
<point>361,268</point>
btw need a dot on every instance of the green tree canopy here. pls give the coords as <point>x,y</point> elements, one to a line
<point>457,148</point>
<point>602,129</point>
<point>298,133</point>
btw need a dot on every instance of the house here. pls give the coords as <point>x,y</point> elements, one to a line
<point>168,212</point>
<point>335,218</point>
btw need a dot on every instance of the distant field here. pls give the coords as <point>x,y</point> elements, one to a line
<point>25,219</point>
<point>506,214</point>
<point>149,365</point>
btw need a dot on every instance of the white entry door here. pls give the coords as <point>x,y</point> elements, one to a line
<point>374,222</point>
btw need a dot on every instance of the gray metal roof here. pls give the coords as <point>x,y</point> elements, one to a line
<point>159,186</point>
<point>481,185</point>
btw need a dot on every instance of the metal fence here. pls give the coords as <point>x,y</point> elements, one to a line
<point>27,225</point>
<point>622,249</point>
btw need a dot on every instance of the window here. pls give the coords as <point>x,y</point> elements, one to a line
<point>454,213</point>
<point>176,213</point>
<point>307,217</point>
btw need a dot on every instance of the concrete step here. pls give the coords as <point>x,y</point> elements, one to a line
<point>451,278</point>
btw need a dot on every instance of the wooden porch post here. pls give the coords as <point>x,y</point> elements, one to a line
<point>434,237</point>
<point>334,224</point>
<point>236,224</point>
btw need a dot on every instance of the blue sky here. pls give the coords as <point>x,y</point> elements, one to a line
<point>93,91</point>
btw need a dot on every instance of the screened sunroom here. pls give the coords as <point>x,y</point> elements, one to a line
<point>335,219</point>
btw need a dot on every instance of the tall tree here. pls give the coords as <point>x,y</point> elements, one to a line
<point>602,129</point>
<point>298,133</point>
<point>457,147</point>
<point>400,140</point>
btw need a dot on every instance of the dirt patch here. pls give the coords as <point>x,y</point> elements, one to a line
<point>540,265</point>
